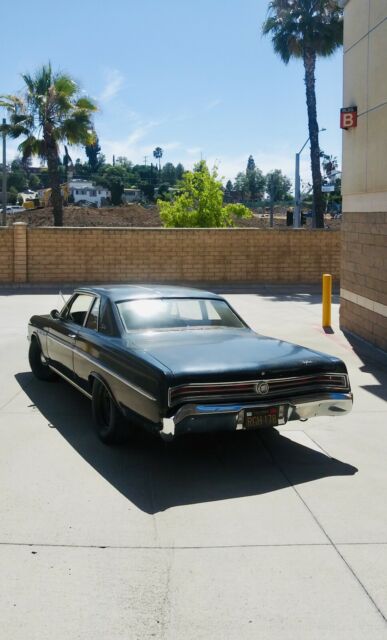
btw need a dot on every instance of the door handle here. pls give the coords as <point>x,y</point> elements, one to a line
<point>71,335</point>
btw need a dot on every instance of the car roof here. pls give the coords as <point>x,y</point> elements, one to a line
<point>134,291</point>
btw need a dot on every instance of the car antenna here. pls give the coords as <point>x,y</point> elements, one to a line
<point>62,296</point>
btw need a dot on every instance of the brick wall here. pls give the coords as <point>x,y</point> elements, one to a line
<point>6,255</point>
<point>49,255</point>
<point>364,276</point>
<point>239,255</point>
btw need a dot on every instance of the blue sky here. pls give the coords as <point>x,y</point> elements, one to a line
<point>192,77</point>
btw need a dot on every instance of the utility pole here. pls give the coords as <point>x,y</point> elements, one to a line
<point>4,181</point>
<point>145,160</point>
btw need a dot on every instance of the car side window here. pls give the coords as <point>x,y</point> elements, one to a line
<point>107,324</point>
<point>78,308</point>
<point>92,319</point>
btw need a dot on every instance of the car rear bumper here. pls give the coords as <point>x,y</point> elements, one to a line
<point>199,418</point>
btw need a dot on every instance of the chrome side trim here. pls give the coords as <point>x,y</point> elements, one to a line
<point>61,342</point>
<point>80,353</point>
<point>74,384</point>
<point>301,408</point>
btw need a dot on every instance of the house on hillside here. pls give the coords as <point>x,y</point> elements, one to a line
<point>85,192</point>
<point>132,195</point>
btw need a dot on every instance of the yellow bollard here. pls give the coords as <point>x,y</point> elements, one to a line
<point>326,300</point>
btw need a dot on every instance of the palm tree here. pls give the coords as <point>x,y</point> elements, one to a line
<point>50,112</point>
<point>158,154</point>
<point>306,29</point>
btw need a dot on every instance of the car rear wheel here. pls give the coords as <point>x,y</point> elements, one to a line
<point>38,363</point>
<point>110,425</point>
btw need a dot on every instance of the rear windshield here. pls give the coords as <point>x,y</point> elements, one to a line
<point>175,313</point>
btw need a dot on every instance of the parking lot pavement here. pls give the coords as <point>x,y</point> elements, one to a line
<point>273,535</point>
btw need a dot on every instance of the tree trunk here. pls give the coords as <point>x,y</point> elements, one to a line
<point>271,213</point>
<point>53,172</point>
<point>318,204</point>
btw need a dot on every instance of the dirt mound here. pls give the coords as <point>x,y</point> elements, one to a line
<point>132,215</point>
<point>135,215</point>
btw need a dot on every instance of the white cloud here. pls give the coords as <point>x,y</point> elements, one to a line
<point>140,132</point>
<point>114,81</point>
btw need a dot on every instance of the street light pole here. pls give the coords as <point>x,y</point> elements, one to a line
<point>4,181</point>
<point>297,190</point>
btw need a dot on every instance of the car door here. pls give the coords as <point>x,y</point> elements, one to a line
<point>63,331</point>
<point>88,346</point>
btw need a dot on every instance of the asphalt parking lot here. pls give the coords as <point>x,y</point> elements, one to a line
<point>274,535</point>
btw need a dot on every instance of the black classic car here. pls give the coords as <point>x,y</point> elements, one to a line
<point>178,360</point>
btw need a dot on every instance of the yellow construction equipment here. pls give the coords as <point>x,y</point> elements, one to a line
<point>45,195</point>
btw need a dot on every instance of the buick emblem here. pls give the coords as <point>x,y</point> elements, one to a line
<point>262,388</point>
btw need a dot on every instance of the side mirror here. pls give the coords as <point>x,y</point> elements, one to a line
<point>55,314</point>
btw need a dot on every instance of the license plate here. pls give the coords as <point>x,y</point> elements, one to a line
<point>256,418</point>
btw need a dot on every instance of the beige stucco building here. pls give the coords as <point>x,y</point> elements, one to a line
<point>364,231</point>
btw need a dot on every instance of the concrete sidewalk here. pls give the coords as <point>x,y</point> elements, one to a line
<point>275,535</point>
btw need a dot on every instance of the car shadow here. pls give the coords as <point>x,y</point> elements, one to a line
<point>155,475</point>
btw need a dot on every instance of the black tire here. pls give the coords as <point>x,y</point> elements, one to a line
<point>109,423</point>
<point>38,364</point>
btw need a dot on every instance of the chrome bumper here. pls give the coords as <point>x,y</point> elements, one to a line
<point>192,418</point>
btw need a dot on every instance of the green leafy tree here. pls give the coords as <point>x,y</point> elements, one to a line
<point>34,182</point>
<point>250,164</point>
<point>82,170</point>
<point>49,113</point>
<point>329,163</point>
<point>163,191</point>
<point>113,178</point>
<point>307,29</point>
<point>255,181</point>
<point>123,161</point>
<point>277,188</point>
<point>250,185</point>
<point>93,154</point>
<point>179,171</point>
<point>148,190</point>
<point>240,185</point>
<point>168,174</point>
<point>228,190</point>
<point>255,184</point>
<point>145,173</point>
<point>12,195</point>
<point>332,176</point>
<point>200,202</point>
<point>18,177</point>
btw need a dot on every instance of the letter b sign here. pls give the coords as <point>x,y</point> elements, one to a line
<point>348,118</point>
